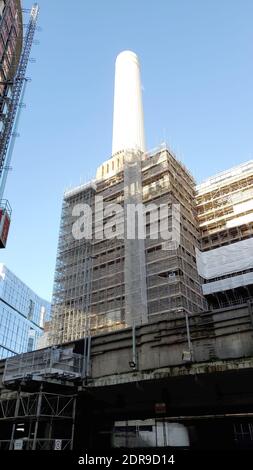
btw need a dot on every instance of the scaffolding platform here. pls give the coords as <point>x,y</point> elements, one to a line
<point>43,365</point>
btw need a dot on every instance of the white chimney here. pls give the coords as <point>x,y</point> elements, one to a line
<point>128,121</point>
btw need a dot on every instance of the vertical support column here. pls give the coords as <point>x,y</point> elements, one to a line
<point>15,416</point>
<point>37,417</point>
<point>73,424</point>
<point>29,435</point>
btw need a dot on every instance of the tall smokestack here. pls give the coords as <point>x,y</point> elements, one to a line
<point>128,121</point>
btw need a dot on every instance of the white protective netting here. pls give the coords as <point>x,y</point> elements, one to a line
<point>135,263</point>
<point>225,260</point>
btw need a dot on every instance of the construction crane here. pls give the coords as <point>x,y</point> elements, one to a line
<point>10,121</point>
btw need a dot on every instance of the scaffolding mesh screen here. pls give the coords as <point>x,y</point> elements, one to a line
<point>73,275</point>
<point>136,311</point>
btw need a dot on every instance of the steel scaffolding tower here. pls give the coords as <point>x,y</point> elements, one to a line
<point>39,421</point>
<point>73,277</point>
<point>38,402</point>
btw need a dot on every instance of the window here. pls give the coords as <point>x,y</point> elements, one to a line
<point>31,338</point>
<point>30,345</point>
<point>31,310</point>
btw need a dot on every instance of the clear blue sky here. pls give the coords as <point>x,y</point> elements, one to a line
<point>197,74</point>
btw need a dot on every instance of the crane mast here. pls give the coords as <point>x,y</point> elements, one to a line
<point>10,118</point>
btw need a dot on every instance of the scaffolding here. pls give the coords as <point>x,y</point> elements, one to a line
<point>103,284</point>
<point>37,421</point>
<point>225,216</point>
<point>225,207</point>
<point>73,275</point>
<point>173,283</point>
<point>32,415</point>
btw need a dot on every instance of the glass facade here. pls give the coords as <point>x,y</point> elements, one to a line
<point>22,315</point>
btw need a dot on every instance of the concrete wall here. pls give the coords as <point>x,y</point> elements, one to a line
<point>215,335</point>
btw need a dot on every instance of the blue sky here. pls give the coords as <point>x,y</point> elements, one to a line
<point>197,69</point>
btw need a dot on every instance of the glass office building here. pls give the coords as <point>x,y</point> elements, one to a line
<point>22,315</point>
